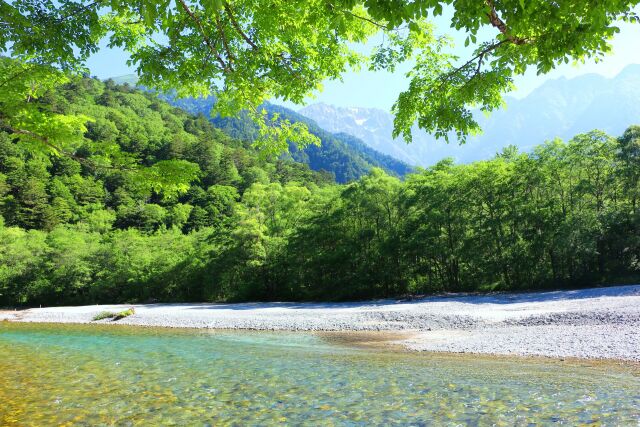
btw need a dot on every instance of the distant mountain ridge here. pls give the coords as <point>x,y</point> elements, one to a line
<point>348,158</point>
<point>558,108</point>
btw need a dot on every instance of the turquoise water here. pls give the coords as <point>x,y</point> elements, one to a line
<point>101,375</point>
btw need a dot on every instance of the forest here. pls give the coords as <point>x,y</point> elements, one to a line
<point>254,227</point>
<point>345,156</point>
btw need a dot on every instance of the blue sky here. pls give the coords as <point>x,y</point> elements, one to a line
<point>380,89</point>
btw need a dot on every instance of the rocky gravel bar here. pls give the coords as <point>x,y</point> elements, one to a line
<point>595,323</point>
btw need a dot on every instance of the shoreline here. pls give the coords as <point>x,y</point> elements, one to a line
<point>593,324</point>
<point>389,343</point>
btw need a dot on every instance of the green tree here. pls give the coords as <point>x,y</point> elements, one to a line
<point>241,52</point>
<point>629,155</point>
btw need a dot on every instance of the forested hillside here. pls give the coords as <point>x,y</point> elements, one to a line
<point>347,157</point>
<point>59,213</point>
<point>250,228</point>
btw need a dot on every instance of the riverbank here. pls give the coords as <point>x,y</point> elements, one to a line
<point>596,323</point>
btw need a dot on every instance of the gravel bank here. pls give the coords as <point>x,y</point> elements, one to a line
<point>589,323</point>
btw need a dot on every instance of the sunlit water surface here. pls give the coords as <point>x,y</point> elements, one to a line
<point>100,375</point>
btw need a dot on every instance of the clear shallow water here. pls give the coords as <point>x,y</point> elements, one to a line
<point>101,375</point>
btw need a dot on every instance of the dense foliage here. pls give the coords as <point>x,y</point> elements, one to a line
<point>41,194</point>
<point>247,51</point>
<point>566,214</point>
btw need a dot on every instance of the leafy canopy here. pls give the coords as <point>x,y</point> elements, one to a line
<point>247,51</point>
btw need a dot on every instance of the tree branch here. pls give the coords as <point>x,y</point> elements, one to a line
<point>497,22</point>
<point>207,40</point>
<point>237,26</point>
<point>479,56</point>
<point>13,76</point>
<point>225,42</point>
<point>289,64</point>
<point>364,18</point>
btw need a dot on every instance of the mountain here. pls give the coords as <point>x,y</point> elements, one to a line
<point>558,108</point>
<point>347,157</point>
<point>340,154</point>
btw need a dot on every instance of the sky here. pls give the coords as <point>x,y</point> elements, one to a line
<point>380,89</point>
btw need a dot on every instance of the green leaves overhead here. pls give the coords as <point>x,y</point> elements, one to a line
<point>247,51</point>
<point>275,134</point>
<point>46,128</point>
<point>21,85</point>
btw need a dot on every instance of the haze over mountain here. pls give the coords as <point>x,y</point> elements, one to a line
<point>558,108</point>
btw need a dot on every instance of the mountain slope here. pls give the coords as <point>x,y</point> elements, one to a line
<point>346,157</point>
<point>559,108</point>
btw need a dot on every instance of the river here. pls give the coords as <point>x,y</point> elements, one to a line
<point>119,375</point>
